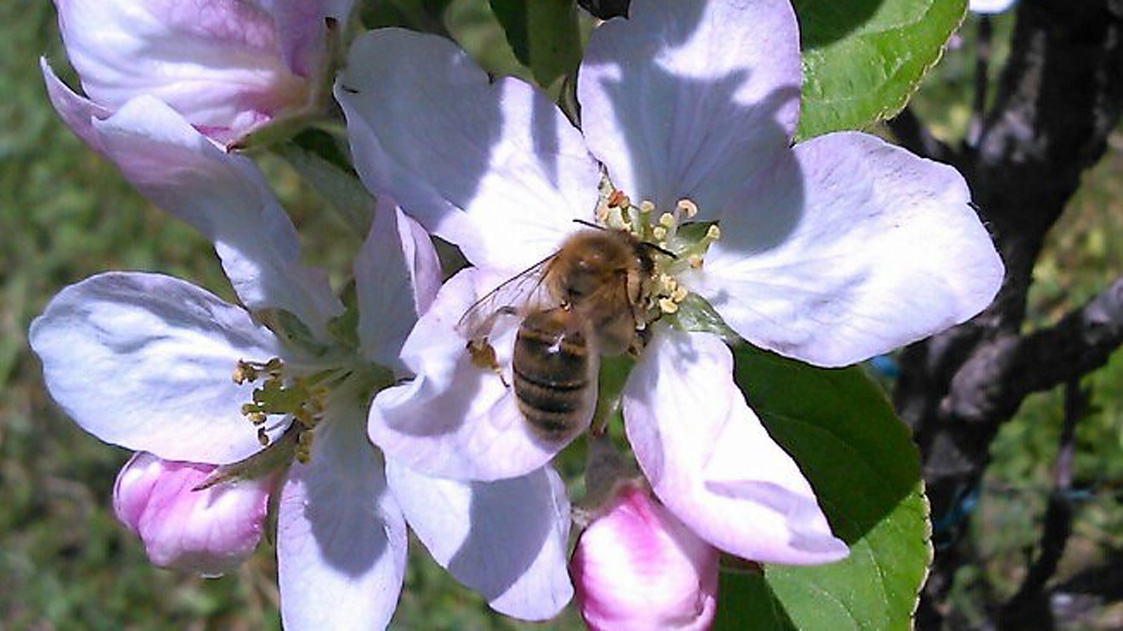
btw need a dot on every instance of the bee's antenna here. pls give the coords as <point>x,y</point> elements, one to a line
<point>588,223</point>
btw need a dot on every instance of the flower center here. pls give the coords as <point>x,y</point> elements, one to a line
<point>684,241</point>
<point>298,397</point>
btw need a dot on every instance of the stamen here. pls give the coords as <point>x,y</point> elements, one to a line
<point>666,220</point>
<point>687,207</point>
<point>618,199</point>
<point>667,305</point>
<point>303,451</point>
<point>301,398</point>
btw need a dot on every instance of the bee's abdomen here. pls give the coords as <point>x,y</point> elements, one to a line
<point>551,375</point>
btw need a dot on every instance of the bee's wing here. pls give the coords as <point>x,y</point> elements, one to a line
<point>514,295</point>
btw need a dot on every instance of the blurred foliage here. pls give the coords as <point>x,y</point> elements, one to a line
<point>66,564</point>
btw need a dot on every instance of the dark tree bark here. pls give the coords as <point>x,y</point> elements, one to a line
<point>1059,96</point>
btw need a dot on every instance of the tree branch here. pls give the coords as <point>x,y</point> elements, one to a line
<point>1028,608</point>
<point>1002,373</point>
<point>1058,97</point>
<point>913,135</point>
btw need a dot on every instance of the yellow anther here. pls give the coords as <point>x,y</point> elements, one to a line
<point>646,206</point>
<point>257,418</point>
<point>667,305</point>
<point>713,233</point>
<point>679,294</point>
<point>659,232</point>
<point>303,451</point>
<point>666,220</point>
<point>687,207</point>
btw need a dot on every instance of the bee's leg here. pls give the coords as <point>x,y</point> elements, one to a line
<point>483,356</point>
<point>639,342</point>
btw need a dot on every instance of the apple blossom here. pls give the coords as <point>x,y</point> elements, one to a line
<point>158,365</point>
<point>637,567</point>
<point>830,251</point>
<point>228,66</point>
<point>209,531</point>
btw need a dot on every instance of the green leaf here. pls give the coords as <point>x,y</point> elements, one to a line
<point>544,34</point>
<point>840,428</point>
<point>862,59</point>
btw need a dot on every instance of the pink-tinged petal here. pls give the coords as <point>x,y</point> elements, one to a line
<point>637,567</point>
<point>397,275</point>
<point>428,126</point>
<point>505,539</point>
<point>301,30</point>
<point>690,99</point>
<point>147,362</point>
<point>217,62</point>
<point>209,532</point>
<point>341,539</point>
<point>883,249</point>
<point>710,460</point>
<point>76,111</point>
<point>226,198</point>
<point>456,419</point>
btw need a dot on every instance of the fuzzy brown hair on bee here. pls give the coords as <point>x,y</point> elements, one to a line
<point>586,300</point>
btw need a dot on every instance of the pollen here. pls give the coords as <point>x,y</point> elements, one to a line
<point>687,208</point>
<point>668,306</point>
<point>297,398</point>
<point>618,200</point>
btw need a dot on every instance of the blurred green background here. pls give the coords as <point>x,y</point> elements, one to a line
<point>65,214</point>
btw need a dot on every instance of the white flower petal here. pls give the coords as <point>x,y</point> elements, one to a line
<point>76,111</point>
<point>341,538</point>
<point>455,419</point>
<point>428,127</point>
<point>301,29</point>
<point>990,6</point>
<point>506,539</point>
<point>217,62</point>
<point>209,531</point>
<point>397,275</point>
<point>226,198</point>
<point>710,460</point>
<point>884,250</point>
<point>690,99</point>
<point>147,362</point>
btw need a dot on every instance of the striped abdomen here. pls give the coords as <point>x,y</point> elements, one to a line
<point>553,371</point>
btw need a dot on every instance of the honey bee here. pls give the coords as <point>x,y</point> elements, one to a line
<point>586,300</point>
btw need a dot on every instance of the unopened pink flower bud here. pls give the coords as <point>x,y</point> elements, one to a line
<point>209,531</point>
<point>638,568</point>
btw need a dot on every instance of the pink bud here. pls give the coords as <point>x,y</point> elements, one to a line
<point>209,531</point>
<point>637,568</point>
